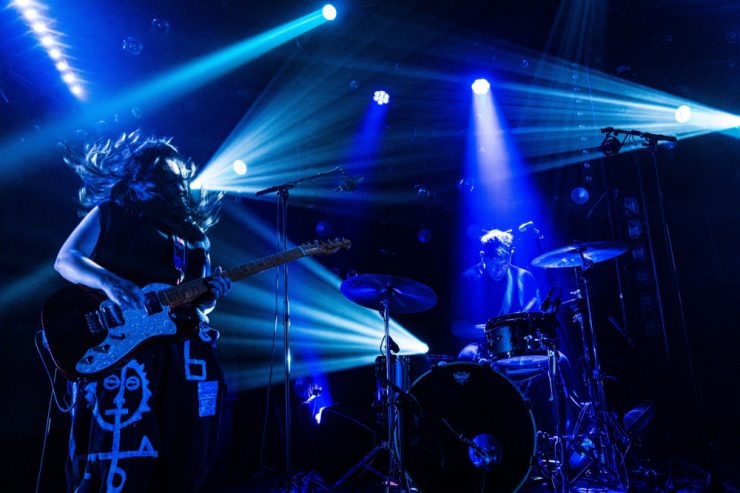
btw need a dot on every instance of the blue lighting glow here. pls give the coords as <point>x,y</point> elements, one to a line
<point>683,114</point>
<point>381,97</point>
<point>240,167</point>
<point>329,12</point>
<point>480,86</point>
<point>328,332</point>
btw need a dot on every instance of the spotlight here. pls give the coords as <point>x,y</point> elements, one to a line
<point>579,195</point>
<point>329,12</point>
<point>240,167</point>
<point>381,97</point>
<point>39,27</point>
<point>56,54</point>
<point>69,78</point>
<point>47,41</point>
<point>22,3</point>
<point>480,86</point>
<point>62,66</point>
<point>683,114</point>
<point>76,90</point>
<point>31,14</point>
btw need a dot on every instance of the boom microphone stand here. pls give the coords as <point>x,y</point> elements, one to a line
<point>283,193</point>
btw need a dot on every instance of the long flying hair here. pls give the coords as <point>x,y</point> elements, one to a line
<point>146,176</point>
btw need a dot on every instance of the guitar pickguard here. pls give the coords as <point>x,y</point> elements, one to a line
<point>139,325</point>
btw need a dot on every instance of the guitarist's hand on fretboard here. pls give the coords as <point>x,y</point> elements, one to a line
<point>218,287</point>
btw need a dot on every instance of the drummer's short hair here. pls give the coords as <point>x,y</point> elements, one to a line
<point>496,243</point>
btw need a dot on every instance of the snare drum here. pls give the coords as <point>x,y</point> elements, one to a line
<point>521,341</point>
<point>407,368</point>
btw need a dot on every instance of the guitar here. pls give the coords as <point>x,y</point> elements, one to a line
<point>86,333</point>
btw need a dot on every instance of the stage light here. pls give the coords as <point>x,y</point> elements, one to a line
<point>683,114</point>
<point>381,97</point>
<point>76,90</point>
<point>329,12</point>
<point>31,14</point>
<point>480,86</point>
<point>240,167</point>
<point>39,27</point>
<point>36,17</point>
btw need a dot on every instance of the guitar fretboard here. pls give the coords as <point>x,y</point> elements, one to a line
<point>191,290</point>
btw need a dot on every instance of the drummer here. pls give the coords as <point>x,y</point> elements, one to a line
<point>489,289</point>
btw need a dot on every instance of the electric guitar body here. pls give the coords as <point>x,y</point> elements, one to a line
<point>86,333</point>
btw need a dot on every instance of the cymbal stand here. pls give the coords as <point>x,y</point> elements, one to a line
<point>388,397</point>
<point>607,459</point>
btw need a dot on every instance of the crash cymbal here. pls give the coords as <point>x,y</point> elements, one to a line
<point>403,295</point>
<point>570,256</point>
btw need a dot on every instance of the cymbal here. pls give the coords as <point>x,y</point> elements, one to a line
<point>403,295</point>
<point>570,256</point>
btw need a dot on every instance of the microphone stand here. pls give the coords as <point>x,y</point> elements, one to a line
<point>283,193</point>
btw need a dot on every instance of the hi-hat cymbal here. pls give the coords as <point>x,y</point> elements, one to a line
<point>403,295</point>
<point>573,255</point>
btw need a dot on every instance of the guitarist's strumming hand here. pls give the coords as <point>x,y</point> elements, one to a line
<point>122,292</point>
<point>219,286</point>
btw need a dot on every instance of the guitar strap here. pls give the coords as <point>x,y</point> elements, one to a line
<point>179,255</point>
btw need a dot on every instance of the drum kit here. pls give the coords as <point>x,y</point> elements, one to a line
<point>451,425</point>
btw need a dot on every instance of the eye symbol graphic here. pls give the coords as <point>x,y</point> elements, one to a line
<point>111,382</point>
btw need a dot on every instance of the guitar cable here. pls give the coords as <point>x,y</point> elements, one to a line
<point>53,398</point>
<point>272,357</point>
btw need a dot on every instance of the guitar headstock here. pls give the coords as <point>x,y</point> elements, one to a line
<point>325,247</point>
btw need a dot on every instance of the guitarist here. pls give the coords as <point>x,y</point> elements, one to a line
<point>150,423</point>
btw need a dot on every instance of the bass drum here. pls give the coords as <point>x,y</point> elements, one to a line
<point>467,429</point>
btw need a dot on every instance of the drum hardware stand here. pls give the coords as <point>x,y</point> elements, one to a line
<point>386,399</point>
<point>607,459</point>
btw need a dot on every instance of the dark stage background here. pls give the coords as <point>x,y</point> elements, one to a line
<point>683,48</point>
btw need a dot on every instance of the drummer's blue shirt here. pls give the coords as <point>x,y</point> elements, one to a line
<point>478,298</point>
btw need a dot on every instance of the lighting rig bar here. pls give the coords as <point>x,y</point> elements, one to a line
<point>35,15</point>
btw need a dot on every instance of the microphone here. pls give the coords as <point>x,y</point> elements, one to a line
<point>348,183</point>
<point>637,133</point>
<point>394,346</point>
<point>530,227</point>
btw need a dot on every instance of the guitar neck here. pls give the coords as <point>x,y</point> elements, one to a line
<point>189,291</point>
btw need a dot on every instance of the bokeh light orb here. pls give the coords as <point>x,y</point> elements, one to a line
<point>324,228</point>
<point>579,195</point>
<point>424,235</point>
